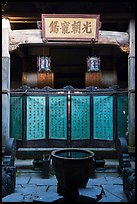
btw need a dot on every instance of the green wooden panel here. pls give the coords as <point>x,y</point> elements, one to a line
<point>122,111</point>
<point>36,118</point>
<point>16,117</point>
<point>103,117</point>
<point>80,117</point>
<point>57,117</point>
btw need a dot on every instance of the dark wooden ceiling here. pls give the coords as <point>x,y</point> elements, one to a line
<point>114,15</point>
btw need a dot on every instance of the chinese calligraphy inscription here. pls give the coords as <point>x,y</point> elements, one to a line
<point>64,28</point>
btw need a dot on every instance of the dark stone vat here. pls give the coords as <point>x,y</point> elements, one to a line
<point>72,168</point>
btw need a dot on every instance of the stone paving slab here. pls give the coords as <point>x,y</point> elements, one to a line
<point>25,193</point>
<point>31,186</point>
<point>49,195</point>
<point>105,178</point>
<point>91,191</point>
<point>110,198</point>
<point>25,189</point>
<point>31,193</point>
<point>14,197</point>
<point>52,189</point>
<point>23,179</point>
<point>97,180</point>
<point>114,179</point>
<point>40,181</point>
<point>115,190</point>
<point>111,195</point>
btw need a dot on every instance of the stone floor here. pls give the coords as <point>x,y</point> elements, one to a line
<point>32,187</point>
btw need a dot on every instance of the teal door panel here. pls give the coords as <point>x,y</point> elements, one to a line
<point>16,117</point>
<point>122,111</point>
<point>36,118</point>
<point>57,117</point>
<point>80,117</point>
<point>103,117</point>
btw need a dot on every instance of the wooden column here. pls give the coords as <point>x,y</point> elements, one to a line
<point>131,84</point>
<point>5,81</point>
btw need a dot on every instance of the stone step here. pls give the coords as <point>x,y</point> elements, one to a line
<point>37,153</point>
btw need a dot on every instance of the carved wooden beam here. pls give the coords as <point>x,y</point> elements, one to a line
<point>34,36</point>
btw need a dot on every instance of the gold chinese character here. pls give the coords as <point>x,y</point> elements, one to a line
<point>54,27</point>
<point>65,27</point>
<point>76,26</point>
<point>87,27</point>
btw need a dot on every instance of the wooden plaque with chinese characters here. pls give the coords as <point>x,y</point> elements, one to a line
<point>70,27</point>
